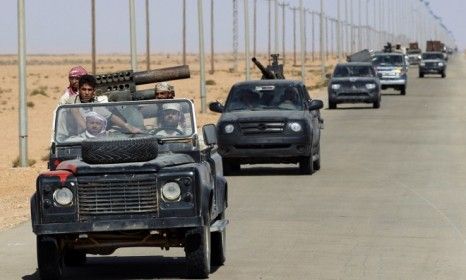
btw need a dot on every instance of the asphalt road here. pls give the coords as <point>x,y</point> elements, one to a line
<point>388,203</point>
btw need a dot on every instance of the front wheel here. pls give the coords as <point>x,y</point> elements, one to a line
<point>376,104</point>
<point>332,105</point>
<point>49,258</point>
<point>403,90</point>
<point>443,74</point>
<point>306,165</point>
<point>316,163</point>
<point>421,75</point>
<point>218,245</point>
<point>197,250</point>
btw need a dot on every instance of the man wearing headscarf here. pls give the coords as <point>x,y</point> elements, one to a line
<point>164,90</point>
<point>71,92</point>
<point>96,126</point>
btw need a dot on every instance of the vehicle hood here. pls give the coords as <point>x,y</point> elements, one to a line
<point>79,167</point>
<point>264,115</point>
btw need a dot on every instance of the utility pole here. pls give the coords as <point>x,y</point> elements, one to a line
<point>132,24</point>
<point>276,47</point>
<point>235,35</point>
<point>322,57</point>
<point>254,51</point>
<point>294,9</point>
<point>246,39</point>
<point>93,48</point>
<point>212,53</point>
<point>338,31</point>
<point>200,19</point>
<point>313,35</point>
<point>353,42</point>
<point>301,25</point>
<point>184,32</point>
<point>283,6</point>
<point>269,46</point>
<point>147,36</point>
<point>347,33</point>
<point>359,25</point>
<point>23,117</point>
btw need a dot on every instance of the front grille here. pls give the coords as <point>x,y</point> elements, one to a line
<point>117,194</point>
<point>262,127</point>
<point>353,94</point>
<point>354,85</point>
<point>431,64</point>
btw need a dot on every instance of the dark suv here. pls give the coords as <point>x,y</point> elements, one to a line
<point>269,121</point>
<point>432,63</point>
<point>108,188</point>
<point>354,82</point>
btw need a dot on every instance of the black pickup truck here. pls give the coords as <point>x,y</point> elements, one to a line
<point>107,188</point>
<point>269,121</point>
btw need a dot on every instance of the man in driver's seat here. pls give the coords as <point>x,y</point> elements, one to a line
<point>171,121</point>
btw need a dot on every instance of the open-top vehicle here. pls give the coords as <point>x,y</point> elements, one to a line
<point>108,188</point>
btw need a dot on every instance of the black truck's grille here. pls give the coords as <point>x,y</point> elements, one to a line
<point>431,64</point>
<point>262,127</point>
<point>117,194</point>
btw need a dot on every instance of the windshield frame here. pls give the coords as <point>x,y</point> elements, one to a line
<point>188,111</point>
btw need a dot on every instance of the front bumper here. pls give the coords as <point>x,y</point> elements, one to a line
<point>393,82</point>
<point>434,70</point>
<point>353,96</point>
<point>117,225</point>
<point>264,148</point>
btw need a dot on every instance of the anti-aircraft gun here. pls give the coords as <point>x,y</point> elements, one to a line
<point>121,86</point>
<point>273,71</point>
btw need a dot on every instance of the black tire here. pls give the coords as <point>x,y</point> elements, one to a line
<point>421,75</point>
<point>197,250</point>
<point>74,257</point>
<point>443,74</point>
<point>332,105</point>
<point>96,151</point>
<point>218,245</point>
<point>316,163</point>
<point>376,104</point>
<point>230,167</point>
<point>49,258</point>
<point>403,90</point>
<point>306,165</point>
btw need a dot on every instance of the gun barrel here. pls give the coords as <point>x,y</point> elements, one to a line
<point>267,74</point>
<point>161,75</point>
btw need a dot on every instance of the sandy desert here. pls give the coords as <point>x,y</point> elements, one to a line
<point>46,81</point>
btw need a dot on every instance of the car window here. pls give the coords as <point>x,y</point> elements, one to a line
<point>264,97</point>
<point>388,60</point>
<point>342,71</point>
<point>432,56</point>
<point>164,119</point>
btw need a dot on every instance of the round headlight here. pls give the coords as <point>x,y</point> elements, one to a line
<point>63,196</point>
<point>171,191</point>
<point>440,64</point>
<point>370,86</point>
<point>229,128</point>
<point>296,127</point>
<point>336,86</point>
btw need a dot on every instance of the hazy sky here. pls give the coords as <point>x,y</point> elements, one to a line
<point>63,26</point>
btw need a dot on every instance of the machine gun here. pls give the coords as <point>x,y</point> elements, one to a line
<point>388,47</point>
<point>273,71</point>
<point>121,86</point>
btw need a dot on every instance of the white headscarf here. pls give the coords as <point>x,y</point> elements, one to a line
<point>95,116</point>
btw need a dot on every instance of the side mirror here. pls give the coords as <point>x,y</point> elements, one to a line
<point>210,134</point>
<point>316,104</point>
<point>216,107</point>
<point>328,76</point>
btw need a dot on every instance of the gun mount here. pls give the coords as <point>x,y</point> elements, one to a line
<point>273,71</point>
<point>121,86</point>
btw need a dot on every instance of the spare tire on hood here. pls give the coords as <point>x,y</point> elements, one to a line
<point>98,151</point>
